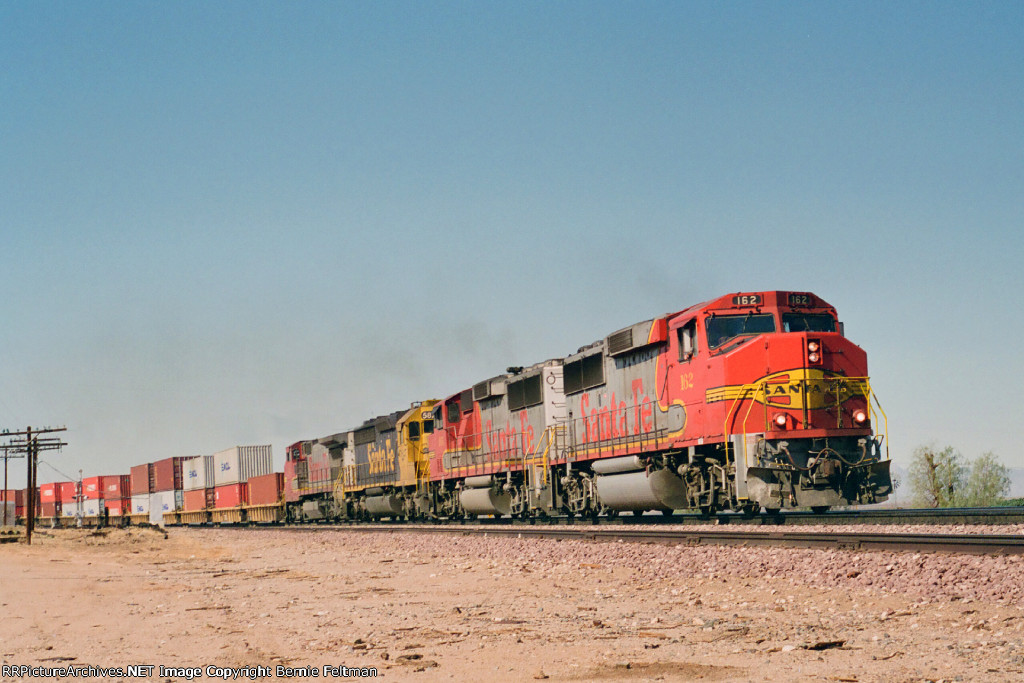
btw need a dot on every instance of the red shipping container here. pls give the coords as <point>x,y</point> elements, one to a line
<point>67,490</point>
<point>230,496</point>
<point>266,489</point>
<point>167,474</point>
<point>50,510</point>
<point>92,488</point>
<point>17,496</point>
<point>116,486</point>
<point>140,479</point>
<point>119,507</point>
<point>195,500</point>
<point>48,493</point>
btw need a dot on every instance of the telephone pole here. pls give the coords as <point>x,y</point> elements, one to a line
<point>7,456</point>
<point>30,442</point>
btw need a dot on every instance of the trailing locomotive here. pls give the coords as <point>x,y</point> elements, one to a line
<point>750,400</point>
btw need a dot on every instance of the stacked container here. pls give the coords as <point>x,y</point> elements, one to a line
<point>198,473</point>
<point>92,507</point>
<point>266,489</point>
<point>162,503</point>
<point>232,469</point>
<point>265,495</point>
<point>67,491</point>
<point>116,487</point>
<point>15,497</point>
<point>140,505</point>
<point>119,507</point>
<point>48,493</point>
<point>49,500</point>
<point>230,496</point>
<point>117,494</point>
<point>166,497</point>
<point>198,499</point>
<point>141,478</point>
<point>92,488</point>
<point>167,474</point>
<point>236,465</point>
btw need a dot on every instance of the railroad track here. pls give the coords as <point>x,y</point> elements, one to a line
<point>972,544</point>
<point>993,516</point>
<point>926,516</point>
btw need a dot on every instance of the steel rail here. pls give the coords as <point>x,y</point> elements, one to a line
<point>926,516</point>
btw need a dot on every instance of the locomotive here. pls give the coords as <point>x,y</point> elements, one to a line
<point>752,400</point>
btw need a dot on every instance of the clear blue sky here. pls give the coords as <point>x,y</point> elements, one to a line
<point>244,222</point>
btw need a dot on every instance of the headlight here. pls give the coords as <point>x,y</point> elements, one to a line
<point>780,420</point>
<point>814,351</point>
<point>860,417</point>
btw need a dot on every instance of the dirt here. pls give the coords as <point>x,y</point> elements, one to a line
<point>468,608</point>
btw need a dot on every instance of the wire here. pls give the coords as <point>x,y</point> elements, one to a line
<point>66,476</point>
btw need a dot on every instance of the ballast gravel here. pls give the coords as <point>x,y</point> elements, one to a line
<point>923,575</point>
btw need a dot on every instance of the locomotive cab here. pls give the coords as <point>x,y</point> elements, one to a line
<point>795,406</point>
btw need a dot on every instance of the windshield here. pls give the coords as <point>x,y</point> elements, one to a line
<point>722,328</point>
<point>808,322</point>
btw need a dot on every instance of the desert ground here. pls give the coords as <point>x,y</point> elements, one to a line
<point>443,608</point>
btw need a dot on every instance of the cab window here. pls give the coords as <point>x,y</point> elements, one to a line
<point>723,328</point>
<point>687,340</point>
<point>414,431</point>
<point>808,322</point>
<point>453,412</point>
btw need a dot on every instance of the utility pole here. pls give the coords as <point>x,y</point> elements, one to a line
<point>30,443</point>
<point>7,456</point>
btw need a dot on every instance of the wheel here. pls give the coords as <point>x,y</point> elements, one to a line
<point>750,510</point>
<point>819,509</point>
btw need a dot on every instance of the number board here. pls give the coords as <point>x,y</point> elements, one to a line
<point>747,300</point>
<point>801,300</point>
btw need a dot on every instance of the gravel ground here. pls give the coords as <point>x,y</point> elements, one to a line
<point>923,575</point>
<point>443,607</point>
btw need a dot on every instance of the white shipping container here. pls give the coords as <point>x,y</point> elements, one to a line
<point>197,473</point>
<point>164,501</point>
<point>10,513</point>
<point>92,508</point>
<point>236,465</point>
<point>140,504</point>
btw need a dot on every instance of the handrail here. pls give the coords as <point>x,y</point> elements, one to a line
<point>741,396</point>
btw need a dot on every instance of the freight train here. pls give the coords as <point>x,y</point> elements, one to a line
<point>752,400</point>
